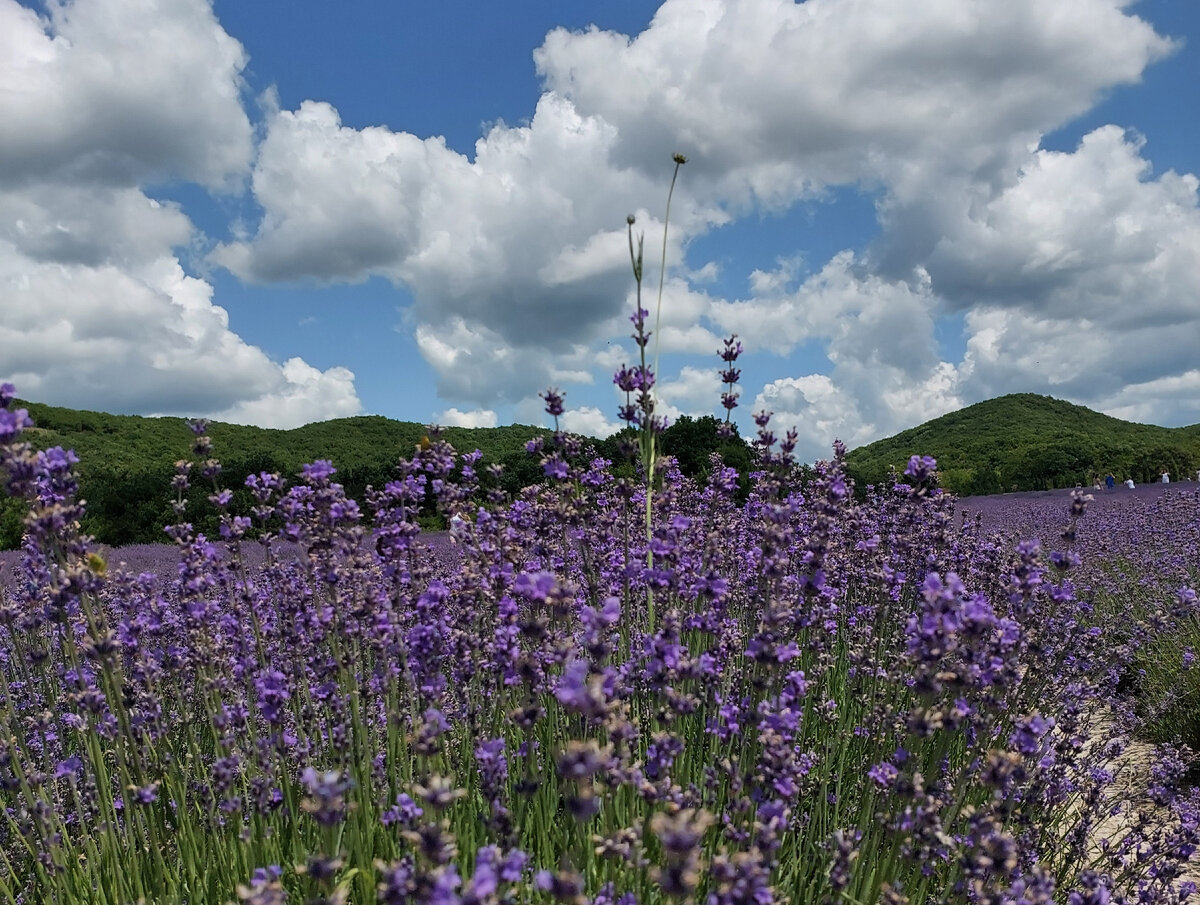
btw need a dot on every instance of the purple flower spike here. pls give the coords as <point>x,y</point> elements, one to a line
<point>405,812</point>
<point>626,379</point>
<point>265,887</point>
<point>730,375</point>
<point>921,468</point>
<point>513,866</point>
<point>1026,737</point>
<point>733,348</point>
<point>318,470</point>
<point>554,402</point>
<point>538,586</point>
<point>572,688</point>
<point>326,800</point>
<point>883,774</point>
<point>12,423</point>
<point>554,467</point>
<point>272,693</point>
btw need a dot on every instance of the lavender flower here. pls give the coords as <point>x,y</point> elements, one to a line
<point>326,800</point>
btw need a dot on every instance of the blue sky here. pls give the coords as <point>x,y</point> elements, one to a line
<point>278,213</point>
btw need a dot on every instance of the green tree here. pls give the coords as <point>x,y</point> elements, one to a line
<point>692,441</point>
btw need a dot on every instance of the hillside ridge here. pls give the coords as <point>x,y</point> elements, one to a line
<point>1022,441</point>
<point>127,461</point>
<point>1026,441</point>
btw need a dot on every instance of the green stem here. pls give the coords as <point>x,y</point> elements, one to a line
<point>651,451</point>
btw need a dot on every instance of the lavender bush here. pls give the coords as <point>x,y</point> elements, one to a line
<point>840,701</point>
<point>1140,556</point>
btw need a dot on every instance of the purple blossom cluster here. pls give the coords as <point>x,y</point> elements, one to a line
<point>805,698</point>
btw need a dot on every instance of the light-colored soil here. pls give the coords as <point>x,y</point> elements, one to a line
<point>1127,799</point>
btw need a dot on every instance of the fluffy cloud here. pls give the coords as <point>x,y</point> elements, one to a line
<point>873,91</point>
<point>452,417</point>
<point>588,421</point>
<point>91,226</point>
<point>862,315</point>
<point>102,97</point>
<point>526,241</point>
<point>1086,274</point>
<point>817,409</point>
<point>681,321</point>
<point>881,365</point>
<point>120,92</point>
<point>297,394</point>
<point>148,340</point>
<point>693,391</point>
<point>1072,268</point>
<point>1079,233</point>
<point>1069,273</point>
<point>1144,402</point>
<point>822,409</point>
<point>516,259</point>
<point>1079,280</point>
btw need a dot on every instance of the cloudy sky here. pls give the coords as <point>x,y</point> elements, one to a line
<point>279,212</point>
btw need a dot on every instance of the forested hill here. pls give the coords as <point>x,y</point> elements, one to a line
<point>123,442</point>
<point>1018,442</point>
<point>127,461</point>
<point>1030,442</point>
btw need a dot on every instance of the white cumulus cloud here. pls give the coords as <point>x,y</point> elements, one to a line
<point>452,417</point>
<point>102,98</point>
<point>1066,272</point>
<point>120,91</point>
<point>588,421</point>
<point>149,341</point>
<point>516,257</point>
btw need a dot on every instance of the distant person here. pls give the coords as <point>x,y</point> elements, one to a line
<point>1110,482</point>
<point>1166,477</point>
<point>1129,483</point>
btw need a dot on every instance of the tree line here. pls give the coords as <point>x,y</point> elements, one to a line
<point>1017,442</point>
<point>127,462</point>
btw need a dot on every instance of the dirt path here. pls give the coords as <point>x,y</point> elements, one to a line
<point>1127,800</point>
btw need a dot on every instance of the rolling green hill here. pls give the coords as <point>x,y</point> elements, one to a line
<point>1017,442</point>
<point>1030,442</point>
<point>126,461</point>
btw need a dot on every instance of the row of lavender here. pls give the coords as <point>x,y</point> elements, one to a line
<point>1140,554</point>
<point>803,699</point>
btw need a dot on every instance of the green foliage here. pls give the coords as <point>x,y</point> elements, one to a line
<point>1163,674</point>
<point>1018,442</point>
<point>12,512</point>
<point>1167,684</point>
<point>691,441</point>
<point>126,463</point>
<point>1030,442</point>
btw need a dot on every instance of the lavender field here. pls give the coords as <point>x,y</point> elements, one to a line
<point>603,691</point>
